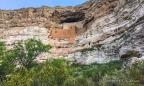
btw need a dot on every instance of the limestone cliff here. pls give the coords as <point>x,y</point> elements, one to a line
<point>97,30</point>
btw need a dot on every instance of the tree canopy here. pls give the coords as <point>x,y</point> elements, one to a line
<point>26,53</point>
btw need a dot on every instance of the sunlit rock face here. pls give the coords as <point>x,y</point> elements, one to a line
<point>122,28</point>
<point>101,54</point>
<point>23,34</point>
<point>105,29</point>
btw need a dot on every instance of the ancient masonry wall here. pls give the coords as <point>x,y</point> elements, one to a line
<point>69,33</point>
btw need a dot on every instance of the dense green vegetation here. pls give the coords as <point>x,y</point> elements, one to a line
<point>59,72</point>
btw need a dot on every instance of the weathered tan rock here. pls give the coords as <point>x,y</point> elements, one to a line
<point>112,27</point>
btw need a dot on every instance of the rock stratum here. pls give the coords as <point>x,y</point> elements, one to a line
<point>95,31</point>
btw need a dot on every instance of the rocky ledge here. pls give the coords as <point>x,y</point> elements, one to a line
<point>105,29</point>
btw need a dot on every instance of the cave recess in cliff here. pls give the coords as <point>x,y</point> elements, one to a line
<point>68,16</point>
<point>73,17</point>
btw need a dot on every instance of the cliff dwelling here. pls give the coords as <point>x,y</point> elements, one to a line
<point>69,33</point>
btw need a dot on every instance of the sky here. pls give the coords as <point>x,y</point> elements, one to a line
<point>16,4</point>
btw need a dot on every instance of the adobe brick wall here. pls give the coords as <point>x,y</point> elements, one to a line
<point>69,33</point>
<point>59,33</point>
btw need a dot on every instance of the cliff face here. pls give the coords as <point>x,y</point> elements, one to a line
<point>105,29</point>
<point>116,35</point>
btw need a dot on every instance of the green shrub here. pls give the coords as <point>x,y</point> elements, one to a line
<point>26,53</point>
<point>57,73</point>
<point>20,78</point>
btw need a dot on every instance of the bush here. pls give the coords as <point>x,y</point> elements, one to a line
<point>26,53</point>
<point>51,73</point>
<point>20,78</point>
<point>58,73</point>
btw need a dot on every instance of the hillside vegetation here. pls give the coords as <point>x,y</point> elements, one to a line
<point>59,72</point>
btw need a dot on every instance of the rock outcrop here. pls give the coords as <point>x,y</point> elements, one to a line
<point>133,60</point>
<point>105,29</point>
<point>122,29</point>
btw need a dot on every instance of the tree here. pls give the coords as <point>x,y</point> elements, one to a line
<point>8,62</point>
<point>52,73</point>
<point>25,53</point>
<point>2,49</point>
<point>20,78</point>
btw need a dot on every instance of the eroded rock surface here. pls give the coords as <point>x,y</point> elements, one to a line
<point>105,29</point>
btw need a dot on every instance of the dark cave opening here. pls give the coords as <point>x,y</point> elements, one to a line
<point>130,54</point>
